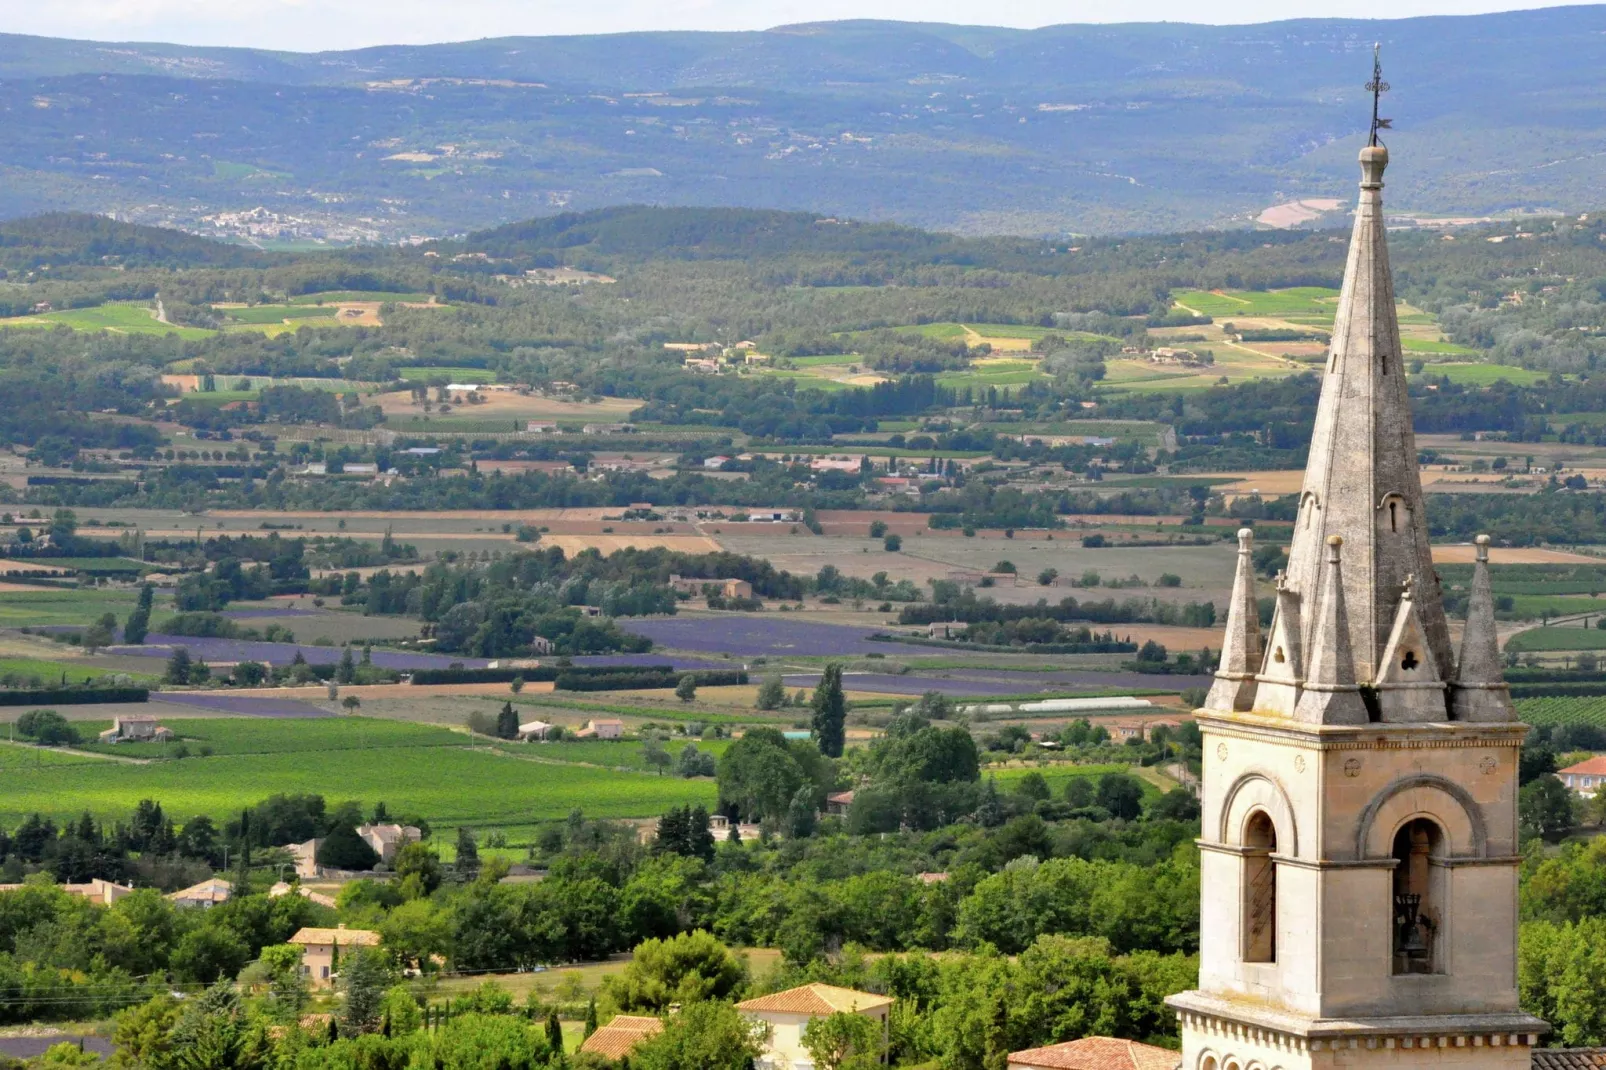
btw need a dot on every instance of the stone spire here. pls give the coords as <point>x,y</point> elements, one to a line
<point>1234,688</point>
<point>1362,482</point>
<point>1478,693</point>
<point>1329,693</point>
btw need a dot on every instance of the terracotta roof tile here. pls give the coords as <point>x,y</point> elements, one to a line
<point>1098,1053</point>
<point>621,1035</point>
<point>343,936</point>
<point>1595,766</point>
<point>816,999</point>
<point>1568,1058</point>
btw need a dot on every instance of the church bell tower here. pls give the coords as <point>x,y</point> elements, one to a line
<point>1359,849</point>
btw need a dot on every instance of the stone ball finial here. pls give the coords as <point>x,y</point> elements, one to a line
<point>1482,544</point>
<point>1246,536</point>
<point>1333,544</point>
<point>1335,540</point>
<point>1374,158</point>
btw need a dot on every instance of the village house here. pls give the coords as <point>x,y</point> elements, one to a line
<point>620,1036</point>
<point>321,950</point>
<point>727,588</point>
<point>1586,776</point>
<point>602,729</point>
<point>306,856</point>
<point>787,1013</point>
<point>716,462</point>
<point>541,427</point>
<point>136,728</point>
<point>387,839</point>
<point>836,464</point>
<point>534,730</point>
<point>838,803</point>
<point>207,894</point>
<point>1096,1053</point>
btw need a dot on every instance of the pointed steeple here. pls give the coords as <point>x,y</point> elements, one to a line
<point>1234,688</point>
<point>1329,694</point>
<point>1362,481</point>
<point>1478,692</point>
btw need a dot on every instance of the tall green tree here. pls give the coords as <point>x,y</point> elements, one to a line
<point>138,624</point>
<point>507,722</point>
<point>830,712</point>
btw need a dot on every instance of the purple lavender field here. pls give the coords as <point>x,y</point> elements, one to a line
<point>246,707</point>
<point>909,685</point>
<point>646,659</point>
<point>161,646</point>
<point>756,636</point>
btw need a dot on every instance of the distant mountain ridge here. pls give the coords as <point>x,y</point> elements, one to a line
<point>975,129</point>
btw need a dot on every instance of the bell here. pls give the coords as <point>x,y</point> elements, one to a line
<point>1414,942</point>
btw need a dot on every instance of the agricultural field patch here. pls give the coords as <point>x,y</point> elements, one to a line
<point>1536,640</point>
<point>119,317</point>
<point>256,314</point>
<point>234,736</point>
<point>63,606</point>
<point>1471,374</point>
<point>446,785</point>
<point>1225,304</point>
<point>450,374</point>
<point>614,754</point>
<point>55,673</point>
<point>342,297</point>
<point>1542,712</point>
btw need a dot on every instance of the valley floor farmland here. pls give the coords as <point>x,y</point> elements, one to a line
<point>412,769</point>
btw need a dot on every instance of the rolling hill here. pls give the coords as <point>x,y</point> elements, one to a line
<point>1064,129</point>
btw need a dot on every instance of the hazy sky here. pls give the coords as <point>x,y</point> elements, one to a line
<point>315,25</point>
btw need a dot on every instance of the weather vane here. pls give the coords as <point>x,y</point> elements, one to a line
<point>1377,87</point>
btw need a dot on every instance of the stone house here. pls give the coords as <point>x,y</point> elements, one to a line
<point>321,950</point>
<point>787,1013</point>
<point>207,894</point>
<point>1585,777</point>
<point>136,728</point>
<point>386,840</point>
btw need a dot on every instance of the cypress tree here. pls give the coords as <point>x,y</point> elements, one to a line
<point>554,1032</point>
<point>591,1016</point>
<point>830,712</point>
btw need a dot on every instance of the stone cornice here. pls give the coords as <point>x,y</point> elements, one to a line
<point>1378,736</point>
<point>1289,1031</point>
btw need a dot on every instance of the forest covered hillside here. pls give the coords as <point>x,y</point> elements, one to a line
<point>1083,129</point>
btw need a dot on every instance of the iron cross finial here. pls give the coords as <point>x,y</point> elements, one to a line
<point>1377,87</point>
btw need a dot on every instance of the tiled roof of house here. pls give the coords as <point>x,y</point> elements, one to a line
<point>1567,1058</point>
<point>1595,766</point>
<point>1098,1053</point>
<point>816,999</point>
<point>621,1035</point>
<point>343,936</point>
<point>215,890</point>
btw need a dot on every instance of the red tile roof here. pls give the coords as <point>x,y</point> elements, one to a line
<point>1595,766</point>
<point>816,999</point>
<point>621,1035</point>
<point>1098,1053</point>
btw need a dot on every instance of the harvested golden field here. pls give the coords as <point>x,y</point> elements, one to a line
<point>1462,554</point>
<point>1284,481</point>
<point>507,404</point>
